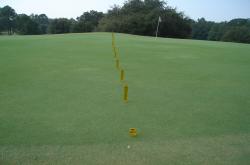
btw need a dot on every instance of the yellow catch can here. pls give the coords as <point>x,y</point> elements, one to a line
<point>122,75</point>
<point>132,132</point>
<point>125,97</point>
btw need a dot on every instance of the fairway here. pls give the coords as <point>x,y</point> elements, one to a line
<point>61,101</point>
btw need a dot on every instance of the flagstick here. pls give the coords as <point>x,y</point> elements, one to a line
<point>157,28</point>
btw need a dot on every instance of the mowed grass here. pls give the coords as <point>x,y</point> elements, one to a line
<point>61,101</point>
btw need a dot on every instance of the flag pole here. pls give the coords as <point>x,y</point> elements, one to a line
<point>158,27</point>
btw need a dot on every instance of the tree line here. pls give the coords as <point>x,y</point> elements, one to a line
<point>134,17</point>
<point>236,30</point>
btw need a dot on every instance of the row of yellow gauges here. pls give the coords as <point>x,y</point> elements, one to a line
<point>132,131</point>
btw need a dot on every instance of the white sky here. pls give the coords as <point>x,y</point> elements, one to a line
<point>214,10</point>
<point>59,8</point>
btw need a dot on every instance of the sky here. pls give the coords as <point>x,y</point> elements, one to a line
<point>212,10</point>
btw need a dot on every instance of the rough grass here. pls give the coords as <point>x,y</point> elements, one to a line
<point>61,101</point>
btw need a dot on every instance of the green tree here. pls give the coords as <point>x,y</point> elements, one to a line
<point>88,21</point>
<point>141,17</point>
<point>201,29</point>
<point>110,21</point>
<point>43,22</point>
<point>236,30</point>
<point>217,31</point>
<point>237,34</point>
<point>7,19</point>
<point>25,25</point>
<point>239,22</point>
<point>60,25</point>
<point>175,25</point>
<point>1,22</point>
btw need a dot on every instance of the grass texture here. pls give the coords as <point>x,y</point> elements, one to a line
<point>61,101</point>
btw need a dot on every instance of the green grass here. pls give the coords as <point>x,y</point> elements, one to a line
<point>61,101</point>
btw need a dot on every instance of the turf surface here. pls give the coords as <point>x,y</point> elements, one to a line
<point>61,101</point>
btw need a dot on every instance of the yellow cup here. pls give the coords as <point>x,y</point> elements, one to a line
<point>133,132</point>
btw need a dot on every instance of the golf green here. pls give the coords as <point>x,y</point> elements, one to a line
<point>61,101</point>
